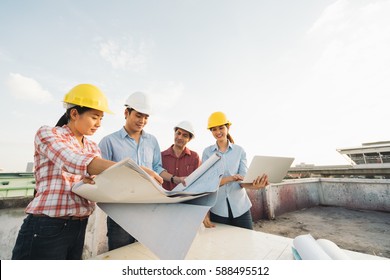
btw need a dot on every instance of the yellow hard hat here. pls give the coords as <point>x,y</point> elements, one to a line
<point>217,119</point>
<point>87,95</point>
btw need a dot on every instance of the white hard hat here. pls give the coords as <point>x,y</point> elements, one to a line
<point>187,126</point>
<point>139,101</point>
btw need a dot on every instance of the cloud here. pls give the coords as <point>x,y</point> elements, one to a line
<point>331,20</point>
<point>354,38</point>
<point>124,55</point>
<point>25,88</point>
<point>352,29</point>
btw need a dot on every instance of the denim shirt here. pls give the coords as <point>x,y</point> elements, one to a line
<point>234,162</point>
<point>119,145</point>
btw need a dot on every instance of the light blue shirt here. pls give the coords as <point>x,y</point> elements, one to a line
<point>119,145</point>
<point>233,162</point>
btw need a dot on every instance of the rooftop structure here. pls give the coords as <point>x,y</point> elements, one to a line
<point>370,160</point>
<point>16,186</point>
<point>368,153</point>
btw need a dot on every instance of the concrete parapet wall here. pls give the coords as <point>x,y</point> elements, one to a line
<point>287,197</point>
<point>292,195</point>
<point>364,194</point>
<point>12,218</point>
<point>15,202</point>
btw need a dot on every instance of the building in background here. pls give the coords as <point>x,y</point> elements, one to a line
<point>368,153</point>
<point>369,161</point>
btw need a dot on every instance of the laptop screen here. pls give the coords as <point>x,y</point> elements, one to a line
<point>275,167</point>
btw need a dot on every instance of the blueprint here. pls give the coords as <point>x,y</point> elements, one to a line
<point>164,221</point>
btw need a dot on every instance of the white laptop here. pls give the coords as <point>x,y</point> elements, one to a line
<point>275,167</point>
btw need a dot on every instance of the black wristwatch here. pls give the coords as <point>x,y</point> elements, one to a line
<point>172,178</point>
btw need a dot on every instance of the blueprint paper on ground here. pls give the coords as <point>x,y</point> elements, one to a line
<point>166,222</point>
<point>126,182</point>
<point>307,248</point>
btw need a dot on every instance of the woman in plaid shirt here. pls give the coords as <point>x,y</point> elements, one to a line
<point>57,218</point>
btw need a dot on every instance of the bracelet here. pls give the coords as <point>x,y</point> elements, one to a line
<point>172,178</point>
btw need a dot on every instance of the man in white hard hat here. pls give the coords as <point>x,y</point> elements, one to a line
<point>178,160</point>
<point>133,142</point>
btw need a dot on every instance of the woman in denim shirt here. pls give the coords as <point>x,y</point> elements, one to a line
<point>233,204</point>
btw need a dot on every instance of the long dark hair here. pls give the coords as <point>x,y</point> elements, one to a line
<point>229,137</point>
<point>66,117</point>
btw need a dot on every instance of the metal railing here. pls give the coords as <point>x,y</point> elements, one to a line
<point>10,192</point>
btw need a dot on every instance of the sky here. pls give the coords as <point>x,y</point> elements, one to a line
<point>295,78</point>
